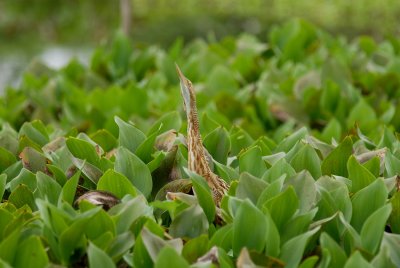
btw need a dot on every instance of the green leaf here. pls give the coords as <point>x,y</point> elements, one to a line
<point>31,253</point>
<point>218,144</point>
<point>373,228</point>
<point>35,131</point>
<point>190,222</point>
<point>394,219</point>
<point>222,238</point>
<point>249,228</point>
<point>168,121</point>
<point>168,257</point>
<point>22,196</point>
<point>69,189</point>
<point>251,161</point>
<point>283,206</point>
<point>98,258</point>
<point>120,245</point>
<point>250,187</point>
<point>3,181</point>
<point>83,150</point>
<point>357,260</point>
<point>48,188</point>
<point>6,159</point>
<point>125,213</point>
<point>289,142</point>
<point>336,162</point>
<point>359,175</point>
<point>116,183</point>
<point>129,136</point>
<point>273,240</point>
<point>337,255</point>
<point>307,159</point>
<point>367,201</point>
<point>146,148</point>
<point>203,194</point>
<point>293,250</point>
<point>195,248</point>
<point>9,246</point>
<point>25,177</point>
<point>304,186</point>
<point>134,169</point>
<point>279,168</point>
<point>392,165</point>
<point>362,114</point>
<point>33,160</point>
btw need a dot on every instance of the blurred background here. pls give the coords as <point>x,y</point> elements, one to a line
<point>54,30</point>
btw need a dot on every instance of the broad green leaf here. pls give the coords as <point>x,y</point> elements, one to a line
<point>297,225</point>
<point>304,185</point>
<point>309,262</point>
<point>250,187</point>
<point>357,260</point>
<point>31,253</point>
<point>167,122</point>
<point>367,201</point>
<point>373,228</point>
<point>394,219</point>
<point>125,213</point>
<point>9,246</point>
<point>204,195</point>
<point>362,114</point>
<point>293,250</point>
<point>278,169</point>
<point>332,130</point>
<point>129,136</point>
<point>195,248</point>
<point>249,228</point>
<point>6,159</point>
<point>35,131</point>
<point>48,188</point>
<point>222,238</point>
<point>105,139</point>
<point>83,150</point>
<point>289,142</point>
<point>98,258</point>
<point>283,206</point>
<point>73,236</point>
<point>25,177</point>
<point>116,183</point>
<point>21,196</point>
<point>359,175</point>
<point>3,180</point>
<point>134,169</point>
<point>33,160</point>
<point>218,144</point>
<point>337,255</point>
<point>154,244</point>
<point>307,159</point>
<point>69,189</point>
<point>336,162</point>
<point>146,148</point>
<point>273,240</point>
<point>251,161</point>
<point>168,257</point>
<point>190,222</point>
<point>392,165</point>
<point>120,245</point>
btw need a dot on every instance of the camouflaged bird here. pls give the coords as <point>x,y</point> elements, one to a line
<point>197,161</point>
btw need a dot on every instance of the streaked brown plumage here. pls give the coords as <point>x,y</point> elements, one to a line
<point>197,161</point>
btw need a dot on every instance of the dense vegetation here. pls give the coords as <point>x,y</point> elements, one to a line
<point>303,127</point>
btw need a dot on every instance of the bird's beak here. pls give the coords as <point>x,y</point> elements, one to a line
<point>180,74</point>
<point>185,89</point>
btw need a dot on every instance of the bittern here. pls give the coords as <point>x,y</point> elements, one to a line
<point>197,161</point>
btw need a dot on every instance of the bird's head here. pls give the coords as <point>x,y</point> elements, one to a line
<point>186,90</point>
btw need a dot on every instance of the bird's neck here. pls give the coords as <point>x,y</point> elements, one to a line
<point>197,161</point>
